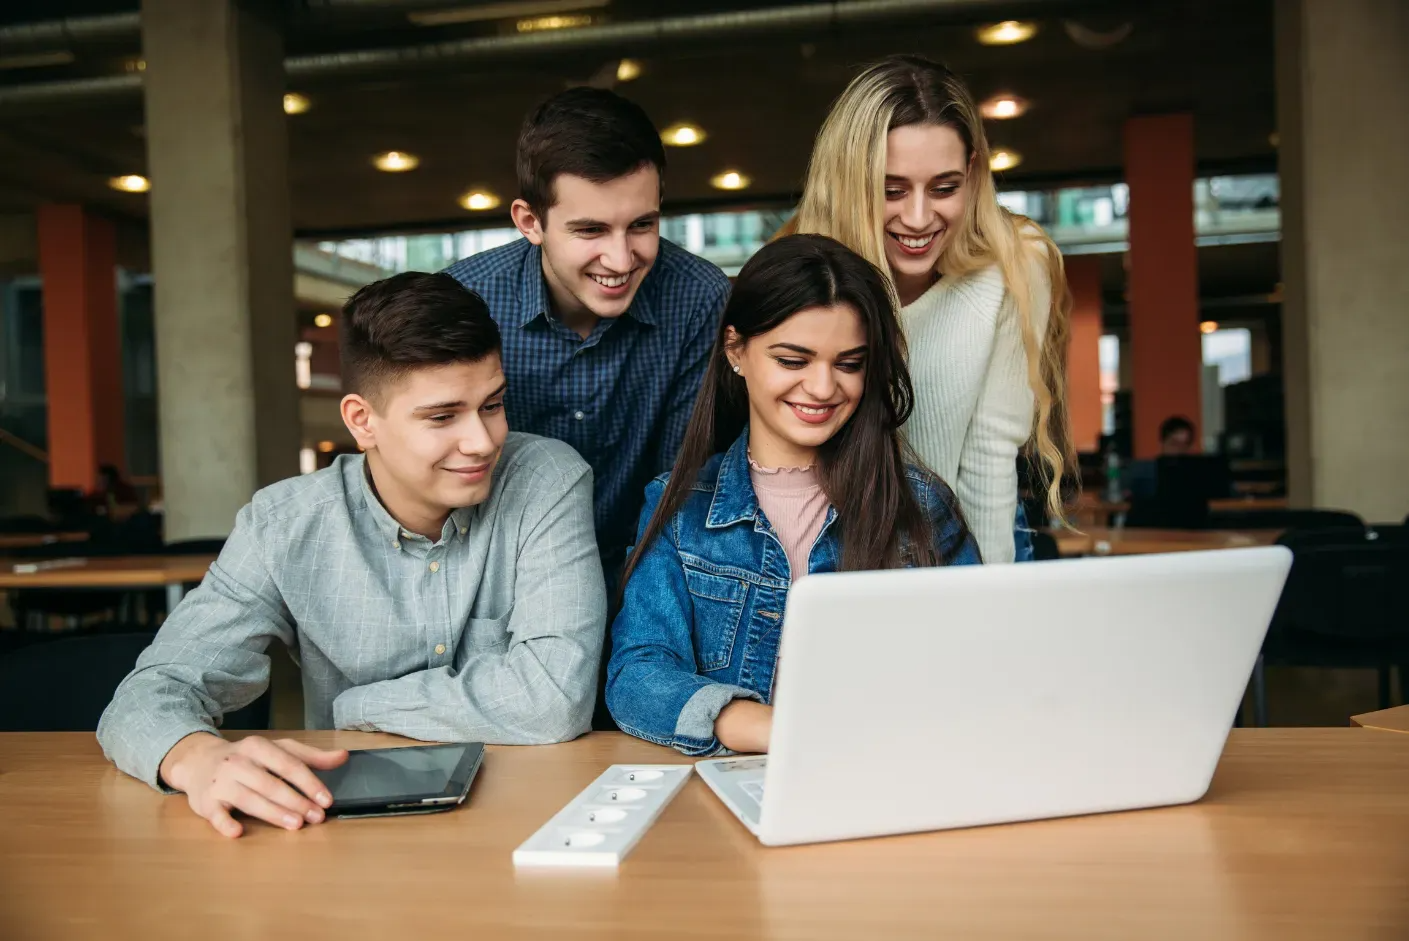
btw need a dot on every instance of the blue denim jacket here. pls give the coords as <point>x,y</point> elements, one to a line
<point>701,618</point>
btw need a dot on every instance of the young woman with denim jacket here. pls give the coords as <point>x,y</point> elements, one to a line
<point>792,465</point>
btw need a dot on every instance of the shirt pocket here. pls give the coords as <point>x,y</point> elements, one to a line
<point>718,602</point>
<point>481,633</point>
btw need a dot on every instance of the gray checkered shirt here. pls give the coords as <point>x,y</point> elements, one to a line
<point>490,634</point>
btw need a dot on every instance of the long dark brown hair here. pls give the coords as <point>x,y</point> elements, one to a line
<point>862,466</point>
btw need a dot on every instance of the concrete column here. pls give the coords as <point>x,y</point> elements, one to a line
<point>221,252</point>
<point>1341,70</point>
<point>1166,353</point>
<point>1084,351</point>
<point>82,358</point>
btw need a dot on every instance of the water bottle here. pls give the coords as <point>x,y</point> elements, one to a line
<point>1113,490</point>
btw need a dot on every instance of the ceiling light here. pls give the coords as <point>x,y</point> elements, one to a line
<point>683,134</point>
<point>1001,160</point>
<point>1003,107</point>
<point>1088,38</point>
<point>628,70</point>
<point>538,24</point>
<point>729,180</point>
<point>323,320</point>
<point>479,200</point>
<point>134,65</point>
<point>294,103</point>
<point>131,183</point>
<point>326,447</point>
<point>1208,326</point>
<point>396,161</point>
<point>1006,33</point>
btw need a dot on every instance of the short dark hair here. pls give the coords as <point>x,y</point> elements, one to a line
<point>411,320</point>
<point>1173,424</point>
<point>588,132</point>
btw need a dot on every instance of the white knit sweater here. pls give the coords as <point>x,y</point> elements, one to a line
<point>973,405</point>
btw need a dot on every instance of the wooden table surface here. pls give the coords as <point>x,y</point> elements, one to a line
<point>1304,834</point>
<point>1099,540</point>
<point>35,540</point>
<point>111,572</point>
<point>1386,720</point>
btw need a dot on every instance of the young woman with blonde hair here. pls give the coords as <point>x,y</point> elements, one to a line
<point>900,174</point>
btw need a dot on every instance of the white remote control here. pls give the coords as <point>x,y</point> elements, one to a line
<point>600,826</point>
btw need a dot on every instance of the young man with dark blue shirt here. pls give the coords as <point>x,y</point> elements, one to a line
<point>606,326</point>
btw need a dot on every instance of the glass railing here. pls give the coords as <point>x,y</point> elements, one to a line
<point>1081,220</point>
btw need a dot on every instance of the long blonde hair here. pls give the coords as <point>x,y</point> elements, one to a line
<point>844,198</point>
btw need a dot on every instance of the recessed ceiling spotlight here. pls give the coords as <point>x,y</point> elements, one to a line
<point>396,161</point>
<point>1003,107</point>
<point>1006,33</point>
<point>729,180</point>
<point>683,134</point>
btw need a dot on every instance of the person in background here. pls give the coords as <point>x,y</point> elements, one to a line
<point>606,325</point>
<point>1176,436</point>
<point>792,465</point>
<point>444,585</point>
<point>900,174</point>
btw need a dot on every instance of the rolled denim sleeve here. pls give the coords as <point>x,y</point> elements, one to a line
<point>208,658</point>
<point>654,688</point>
<point>541,685</point>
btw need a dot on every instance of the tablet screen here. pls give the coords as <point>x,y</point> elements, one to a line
<point>392,774</point>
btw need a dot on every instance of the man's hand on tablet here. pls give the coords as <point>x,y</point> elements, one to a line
<point>220,776</point>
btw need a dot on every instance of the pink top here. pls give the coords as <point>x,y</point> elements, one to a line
<point>793,500</point>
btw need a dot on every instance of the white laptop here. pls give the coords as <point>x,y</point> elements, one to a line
<point>926,699</point>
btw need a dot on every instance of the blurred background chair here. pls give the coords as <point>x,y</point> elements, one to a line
<point>1343,607</point>
<point>63,685</point>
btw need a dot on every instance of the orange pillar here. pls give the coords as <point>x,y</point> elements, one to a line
<point>82,357</point>
<point>1084,352</point>
<point>1165,350</point>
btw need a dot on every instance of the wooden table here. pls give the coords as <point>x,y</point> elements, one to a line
<point>1099,540</point>
<point>1387,720</point>
<point>1304,834</point>
<point>173,572</point>
<point>35,540</point>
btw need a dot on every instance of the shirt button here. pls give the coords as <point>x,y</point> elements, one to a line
<point>439,649</point>
<point>396,545</point>
<point>435,566</point>
<point>463,530</point>
<point>579,415</point>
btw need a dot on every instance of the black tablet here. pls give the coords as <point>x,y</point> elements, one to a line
<point>416,779</point>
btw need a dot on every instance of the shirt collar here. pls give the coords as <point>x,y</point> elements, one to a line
<point>734,498</point>
<point>534,297</point>
<point>456,526</point>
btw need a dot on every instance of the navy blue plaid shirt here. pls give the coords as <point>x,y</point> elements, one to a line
<point>621,397</point>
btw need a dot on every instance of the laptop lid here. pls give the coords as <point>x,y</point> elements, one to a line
<point>925,699</point>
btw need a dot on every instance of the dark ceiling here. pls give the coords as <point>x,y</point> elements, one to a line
<point>759,97</point>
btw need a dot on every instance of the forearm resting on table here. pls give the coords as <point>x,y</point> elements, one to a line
<point>744,726</point>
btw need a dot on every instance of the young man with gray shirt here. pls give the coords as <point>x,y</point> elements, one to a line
<point>444,585</point>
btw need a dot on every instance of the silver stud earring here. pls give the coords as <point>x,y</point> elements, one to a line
<point>736,368</point>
